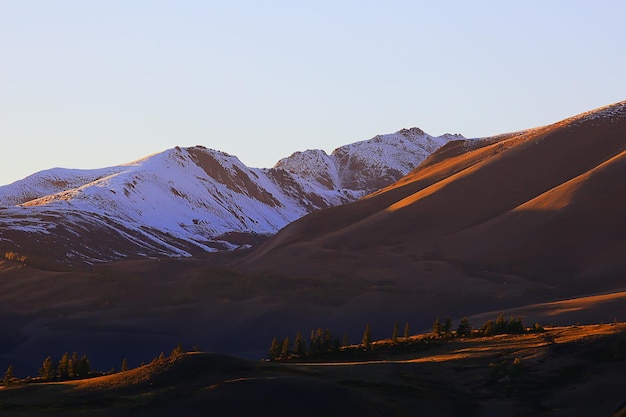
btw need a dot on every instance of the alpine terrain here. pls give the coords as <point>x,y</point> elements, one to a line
<point>403,231</point>
<point>188,201</point>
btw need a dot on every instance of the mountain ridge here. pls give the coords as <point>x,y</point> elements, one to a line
<point>446,210</point>
<point>186,201</point>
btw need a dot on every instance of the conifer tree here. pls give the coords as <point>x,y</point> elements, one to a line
<point>447,327</point>
<point>8,377</point>
<point>516,326</point>
<point>367,338</point>
<point>284,349</point>
<point>73,365</point>
<point>47,370</point>
<point>327,341</point>
<point>321,341</point>
<point>394,335</point>
<point>437,327</point>
<point>314,342</point>
<point>465,328</point>
<point>84,367</point>
<point>64,366</point>
<point>178,351</point>
<point>275,348</point>
<point>501,324</point>
<point>299,347</point>
<point>488,329</point>
<point>407,331</point>
<point>124,366</point>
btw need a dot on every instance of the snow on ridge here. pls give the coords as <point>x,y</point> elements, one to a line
<point>612,112</point>
<point>171,193</point>
<point>401,146</point>
<point>50,181</point>
<point>313,165</point>
<point>386,157</point>
<point>171,201</point>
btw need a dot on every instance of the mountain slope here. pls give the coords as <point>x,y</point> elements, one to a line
<point>185,201</point>
<point>535,208</point>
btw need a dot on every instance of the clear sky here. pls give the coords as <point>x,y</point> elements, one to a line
<point>95,83</point>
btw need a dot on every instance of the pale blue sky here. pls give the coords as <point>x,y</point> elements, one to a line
<point>88,84</point>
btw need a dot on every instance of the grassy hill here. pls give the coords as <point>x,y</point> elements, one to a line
<point>564,371</point>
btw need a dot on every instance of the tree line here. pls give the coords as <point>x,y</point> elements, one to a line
<point>322,342</point>
<point>66,368</point>
<point>73,366</point>
<point>501,325</point>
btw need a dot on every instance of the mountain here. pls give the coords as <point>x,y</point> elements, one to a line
<point>187,201</point>
<point>499,225</point>
<point>540,210</point>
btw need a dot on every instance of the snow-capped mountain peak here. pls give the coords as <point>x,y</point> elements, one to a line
<point>188,200</point>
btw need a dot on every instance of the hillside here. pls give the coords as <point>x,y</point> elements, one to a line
<point>554,373</point>
<point>182,202</point>
<point>540,212</point>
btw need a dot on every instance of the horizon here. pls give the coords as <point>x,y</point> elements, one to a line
<point>92,85</point>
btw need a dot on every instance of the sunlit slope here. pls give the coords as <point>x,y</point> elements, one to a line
<point>576,229</point>
<point>507,205</point>
<point>551,373</point>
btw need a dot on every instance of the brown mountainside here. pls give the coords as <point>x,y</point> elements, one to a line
<point>537,207</point>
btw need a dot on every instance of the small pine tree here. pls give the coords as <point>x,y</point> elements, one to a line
<point>178,351</point>
<point>284,349</point>
<point>367,338</point>
<point>516,326</point>
<point>327,341</point>
<point>8,377</point>
<point>488,329</point>
<point>299,347</point>
<point>314,342</point>
<point>47,370</point>
<point>72,367</point>
<point>64,366</point>
<point>275,349</point>
<point>437,327</point>
<point>321,341</point>
<point>501,325</point>
<point>465,328</point>
<point>447,326</point>
<point>394,335</point>
<point>124,366</point>
<point>84,367</point>
<point>407,331</point>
